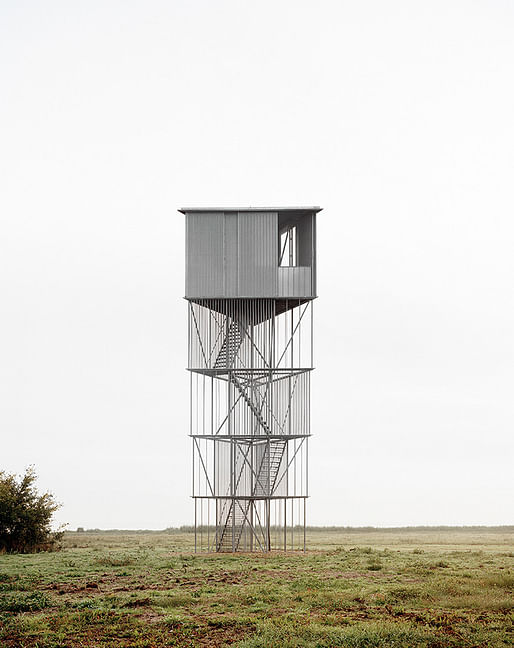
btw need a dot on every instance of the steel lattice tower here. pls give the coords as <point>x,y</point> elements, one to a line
<point>250,284</point>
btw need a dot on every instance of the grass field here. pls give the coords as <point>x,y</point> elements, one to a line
<point>400,588</point>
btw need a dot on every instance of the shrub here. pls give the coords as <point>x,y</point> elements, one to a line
<point>26,515</point>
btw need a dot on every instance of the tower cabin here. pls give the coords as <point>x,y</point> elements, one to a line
<point>251,253</point>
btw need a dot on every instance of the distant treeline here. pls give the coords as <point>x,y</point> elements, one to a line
<point>320,529</point>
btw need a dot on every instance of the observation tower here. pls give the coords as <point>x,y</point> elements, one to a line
<point>250,286</point>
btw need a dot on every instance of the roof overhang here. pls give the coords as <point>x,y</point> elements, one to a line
<point>190,210</point>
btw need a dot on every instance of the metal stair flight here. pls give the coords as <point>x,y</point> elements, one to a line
<point>235,519</point>
<point>230,347</point>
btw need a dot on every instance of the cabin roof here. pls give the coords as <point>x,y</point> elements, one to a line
<point>189,210</point>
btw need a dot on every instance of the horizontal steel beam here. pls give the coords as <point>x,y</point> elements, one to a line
<point>250,497</point>
<point>250,437</point>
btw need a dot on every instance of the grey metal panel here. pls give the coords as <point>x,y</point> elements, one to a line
<point>294,282</point>
<point>257,252</point>
<point>231,264</point>
<point>205,254</point>
<point>314,268</point>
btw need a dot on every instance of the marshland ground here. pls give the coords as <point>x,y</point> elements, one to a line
<point>433,587</point>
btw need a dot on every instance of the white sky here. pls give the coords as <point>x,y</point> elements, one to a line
<point>396,117</point>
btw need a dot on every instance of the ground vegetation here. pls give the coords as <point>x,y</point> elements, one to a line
<point>395,588</point>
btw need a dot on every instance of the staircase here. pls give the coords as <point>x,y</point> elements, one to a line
<point>256,412</point>
<point>230,347</point>
<point>233,518</point>
<point>237,515</point>
<point>270,465</point>
<point>233,521</point>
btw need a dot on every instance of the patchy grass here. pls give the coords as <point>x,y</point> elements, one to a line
<point>16,602</point>
<point>401,588</point>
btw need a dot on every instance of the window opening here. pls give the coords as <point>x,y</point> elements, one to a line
<point>288,247</point>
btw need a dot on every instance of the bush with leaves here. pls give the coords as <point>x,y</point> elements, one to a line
<point>26,515</point>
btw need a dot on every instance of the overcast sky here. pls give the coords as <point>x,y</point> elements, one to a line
<point>396,117</point>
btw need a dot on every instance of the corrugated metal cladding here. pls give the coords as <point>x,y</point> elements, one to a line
<point>294,282</point>
<point>205,272</point>
<point>235,254</point>
<point>257,253</point>
<point>231,259</point>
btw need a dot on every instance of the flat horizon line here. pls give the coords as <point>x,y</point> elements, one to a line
<point>189,528</point>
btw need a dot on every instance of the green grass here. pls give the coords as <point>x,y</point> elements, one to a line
<point>354,588</point>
